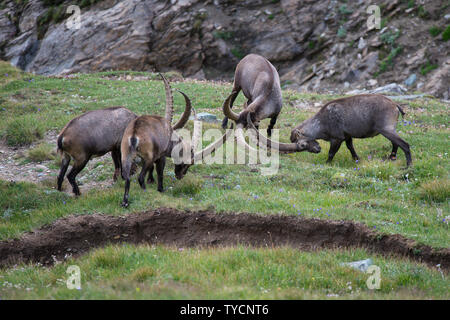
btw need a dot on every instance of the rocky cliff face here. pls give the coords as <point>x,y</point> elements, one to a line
<point>315,44</point>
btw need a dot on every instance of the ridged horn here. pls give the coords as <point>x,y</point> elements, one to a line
<point>227,108</point>
<point>197,131</point>
<point>267,143</point>
<point>186,114</point>
<point>169,99</point>
<point>239,133</point>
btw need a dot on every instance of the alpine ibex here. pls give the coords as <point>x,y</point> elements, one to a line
<point>153,139</point>
<point>94,134</point>
<point>360,116</point>
<point>259,81</point>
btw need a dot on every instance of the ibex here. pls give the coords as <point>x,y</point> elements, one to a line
<point>153,139</point>
<point>259,81</point>
<point>93,134</point>
<point>360,116</point>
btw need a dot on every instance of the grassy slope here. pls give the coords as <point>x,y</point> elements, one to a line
<point>378,193</point>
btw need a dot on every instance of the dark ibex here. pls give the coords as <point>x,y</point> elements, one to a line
<point>94,134</point>
<point>153,139</point>
<point>259,81</point>
<point>361,116</point>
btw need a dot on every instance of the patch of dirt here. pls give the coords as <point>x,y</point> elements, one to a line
<point>75,235</point>
<point>14,168</point>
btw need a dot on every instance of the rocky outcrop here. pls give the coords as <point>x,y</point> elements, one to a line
<point>315,44</point>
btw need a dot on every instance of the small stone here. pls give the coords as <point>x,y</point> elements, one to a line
<point>206,117</point>
<point>410,80</point>
<point>362,43</point>
<point>361,265</point>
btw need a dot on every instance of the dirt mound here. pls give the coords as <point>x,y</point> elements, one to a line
<point>77,234</point>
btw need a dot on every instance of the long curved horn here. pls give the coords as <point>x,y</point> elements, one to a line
<point>227,108</point>
<point>187,112</point>
<point>239,133</point>
<point>169,99</point>
<point>197,131</point>
<point>267,143</point>
<point>213,146</point>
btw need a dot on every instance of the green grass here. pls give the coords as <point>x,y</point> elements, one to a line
<point>23,131</point>
<point>435,31</point>
<point>148,272</point>
<point>446,34</point>
<point>427,68</point>
<point>42,152</point>
<point>378,193</point>
<point>387,63</point>
<point>342,32</point>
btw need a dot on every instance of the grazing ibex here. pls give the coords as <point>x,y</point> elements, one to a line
<point>152,138</point>
<point>259,81</point>
<point>93,134</point>
<point>361,116</point>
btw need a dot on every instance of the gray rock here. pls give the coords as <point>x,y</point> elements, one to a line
<point>410,80</point>
<point>361,265</point>
<point>205,117</point>
<point>362,43</point>
<point>390,88</point>
<point>407,97</point>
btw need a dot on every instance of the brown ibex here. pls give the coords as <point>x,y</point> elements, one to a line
<point>360,116</point>
<point>152,138</point>
<point>94,134</point>
<point>259,81</point>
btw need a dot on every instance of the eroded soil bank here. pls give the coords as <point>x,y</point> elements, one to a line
<point>77,234</point>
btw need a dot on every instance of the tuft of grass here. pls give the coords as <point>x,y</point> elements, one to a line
<point>225,35</point>
<point>42,152</point>
<point>144,273</point>
<point>389,37</point>
<point>446,34</point>
<point>435,31</point>
<point>342,32</point>
<point>190,185</point>
<point>23,131</point>
<point>388,61</point>
<point>437,190</point>
<point>238,52</point>
<point>344,10</point>
<point>427,68</point>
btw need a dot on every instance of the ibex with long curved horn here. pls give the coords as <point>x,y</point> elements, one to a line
<point>360,116</point>
<point>259,81</point>
<point>153,139</point>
